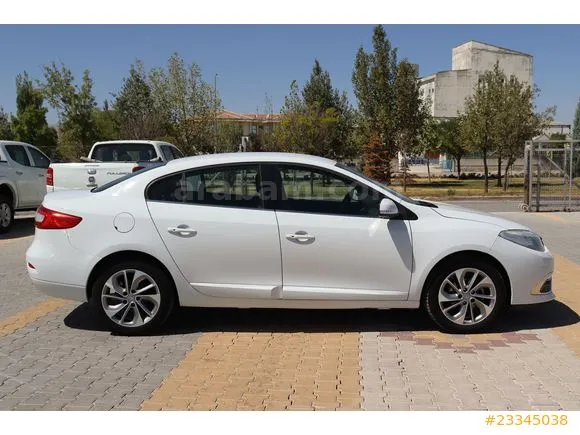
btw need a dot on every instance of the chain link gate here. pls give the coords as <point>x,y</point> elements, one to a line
<point>552,175</point>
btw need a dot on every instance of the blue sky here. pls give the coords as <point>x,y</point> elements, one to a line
<point>258,59</point>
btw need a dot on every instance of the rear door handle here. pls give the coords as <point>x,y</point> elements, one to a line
<point>19,172</point>
<point>182,231</point>
<point>41,175</point>
<point>300,236</point>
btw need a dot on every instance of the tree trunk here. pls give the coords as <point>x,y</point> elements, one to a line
<point>485,178</point>
<point>505,182</point>
<point>458,160</point>
<point>499,171</point>
<point>428,170</point>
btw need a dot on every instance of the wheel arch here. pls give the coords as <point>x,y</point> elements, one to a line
<point>462,255</point>
<point>7,190</point>
<point>126,255</point>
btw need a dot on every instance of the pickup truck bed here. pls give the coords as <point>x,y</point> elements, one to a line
<point>108,161</point>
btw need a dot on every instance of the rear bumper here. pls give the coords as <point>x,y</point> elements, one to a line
<point>59,290</point>
<point>56,267</point>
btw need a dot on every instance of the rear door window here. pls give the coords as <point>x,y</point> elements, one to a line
<point>18,154</point>
<point>224,186</point>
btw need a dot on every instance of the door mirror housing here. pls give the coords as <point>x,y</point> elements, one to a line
<point>388,209</point>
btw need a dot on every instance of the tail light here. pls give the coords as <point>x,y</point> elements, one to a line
<point>50,177</point>
<point>138,168</point>
<point>47,219</point>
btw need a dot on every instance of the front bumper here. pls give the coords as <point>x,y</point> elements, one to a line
<point>529,272</point>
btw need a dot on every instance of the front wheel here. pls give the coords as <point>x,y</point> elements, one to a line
<point>133,297</point>
<point>6,214</point>
<point>465,296</point>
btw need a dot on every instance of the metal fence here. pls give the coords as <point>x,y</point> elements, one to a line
<point>552,175</point>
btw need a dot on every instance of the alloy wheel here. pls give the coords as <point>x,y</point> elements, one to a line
<point>5,214</point>
<point>130,298</point>
<point>467,296</point>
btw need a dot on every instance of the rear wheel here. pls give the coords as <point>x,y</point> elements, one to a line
<point>6,214</point>
<point>465,296</point>
<point>133,297</point>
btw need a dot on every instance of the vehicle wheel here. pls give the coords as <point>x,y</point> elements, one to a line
<point>465,296</point>
<point>6,214</point>
<point>133,297</point>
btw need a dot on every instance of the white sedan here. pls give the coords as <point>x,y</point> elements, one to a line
<point>273,230</point>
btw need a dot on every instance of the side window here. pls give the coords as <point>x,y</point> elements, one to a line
<point>167,154</point>
<point>39,159</point>
<point>313,190</point>
<point>225,186</point>
<point>176,153</point>
<point>18,154</point>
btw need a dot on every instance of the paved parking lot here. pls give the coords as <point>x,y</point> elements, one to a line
<point>55,355</point>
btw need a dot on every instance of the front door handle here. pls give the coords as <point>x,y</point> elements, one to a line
<point>301,237</point>
<point>182,231</point>
<point>19,172</point>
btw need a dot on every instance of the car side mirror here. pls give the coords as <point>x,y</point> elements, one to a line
<point>388,209</point>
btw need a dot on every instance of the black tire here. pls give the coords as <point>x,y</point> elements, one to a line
<point>431,295</point>
<point>5,202</point>
<point>166,292</point>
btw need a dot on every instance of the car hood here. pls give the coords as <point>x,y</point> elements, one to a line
<point>457,212</point>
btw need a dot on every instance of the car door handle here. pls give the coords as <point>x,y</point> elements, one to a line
<point>182,231</point>
<point>41,175</point>
<point>300,236</point>
<point>19,172</point>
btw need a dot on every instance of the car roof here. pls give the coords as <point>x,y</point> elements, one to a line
<point>241,157</point>
<point>13,142</point>
<point>148,142</point>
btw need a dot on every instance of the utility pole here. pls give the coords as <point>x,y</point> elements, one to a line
<point>215,112</point>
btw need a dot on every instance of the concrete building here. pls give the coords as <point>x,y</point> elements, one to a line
<point>447,90</point>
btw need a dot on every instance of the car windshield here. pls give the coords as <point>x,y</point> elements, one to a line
<point>124,152</point>
<point>124,178</point>
<point>355,171</point>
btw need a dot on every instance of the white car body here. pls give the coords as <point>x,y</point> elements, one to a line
<point>236,257</point>
<point>95,172</point>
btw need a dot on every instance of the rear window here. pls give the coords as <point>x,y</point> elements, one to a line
<point>124,152</point>
<point>124,178</point>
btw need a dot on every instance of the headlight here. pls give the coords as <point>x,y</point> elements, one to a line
<point>525,238</point>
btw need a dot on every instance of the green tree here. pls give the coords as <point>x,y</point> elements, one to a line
<point>373,80</point>
<point>576,127</point>
<point>229,136</point>
<point>107,123</point>
<point>481,116</point>
<point>29,125</point>
<point>317,120</point>
<point>188,103</point>
<point>5,126</point>
<point>75,105</point>
<point>429,141</point>
<point>138,115</point>
<point>517,120</point>
<point>450,142</point>
<point>410,112</point>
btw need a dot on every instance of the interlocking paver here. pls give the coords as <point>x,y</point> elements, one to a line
<point>265,371</point>
<point>50,360</point>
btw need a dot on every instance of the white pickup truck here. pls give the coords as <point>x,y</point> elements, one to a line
<point>108,161</point>
<point>22,180</point>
